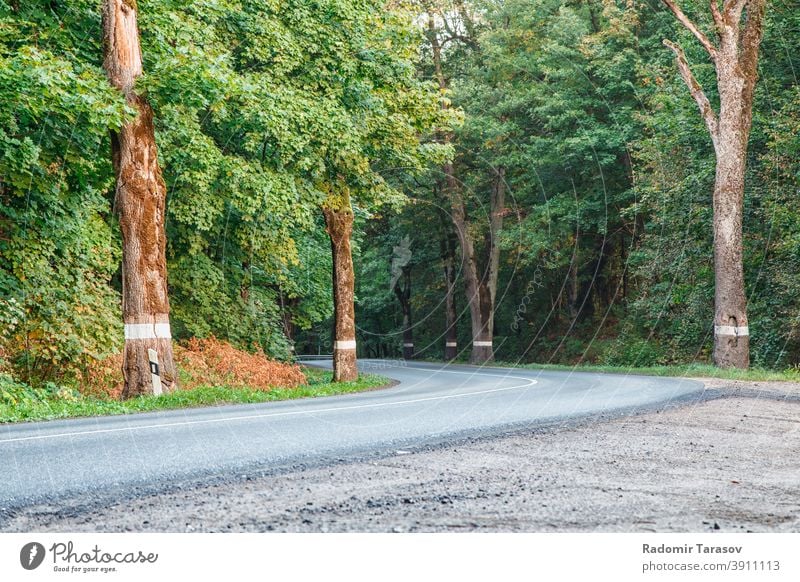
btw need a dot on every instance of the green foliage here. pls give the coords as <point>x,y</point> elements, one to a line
<point>266,110</point>
<point>258,106</point>
<point>21,403</point>
<point>57,250</point>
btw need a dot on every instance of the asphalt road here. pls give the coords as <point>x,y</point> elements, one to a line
<point>432,403</point>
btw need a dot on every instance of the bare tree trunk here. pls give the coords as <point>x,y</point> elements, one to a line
<point>735,58</point>
<point>731,333</point>
<point>339,222</point>
<point>140,203</point>
<point>482,348</point>
<point>481,332</point>
<point>448,251</point>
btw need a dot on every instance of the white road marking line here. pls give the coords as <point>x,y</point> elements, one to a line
<point>530,382</point>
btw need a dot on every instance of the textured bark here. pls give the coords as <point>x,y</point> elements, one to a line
<point>448,252</point>
<point>140,203</point>
<point>735,57</point>
<point>339,222</point>
<point>487,285</point>
<point>469,268</point>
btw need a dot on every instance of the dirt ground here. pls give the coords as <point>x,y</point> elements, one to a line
<point>731,464</point>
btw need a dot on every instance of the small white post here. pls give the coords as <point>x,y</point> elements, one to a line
<point>154,371</point>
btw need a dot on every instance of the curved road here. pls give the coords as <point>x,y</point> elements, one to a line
<point>109,456</point>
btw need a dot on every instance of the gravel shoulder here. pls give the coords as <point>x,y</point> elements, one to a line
<point>729,464</point>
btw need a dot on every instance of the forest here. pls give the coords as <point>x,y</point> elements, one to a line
<point>514,181</point>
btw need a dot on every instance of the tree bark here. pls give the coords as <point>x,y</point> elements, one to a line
<point>481,332</point>
<point>339,223</point>
<point>482,348</point>
<point>140,204</point>
<point>448,251</point>
<point>735,58</point>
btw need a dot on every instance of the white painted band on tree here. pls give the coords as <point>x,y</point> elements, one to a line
<point>731,330</point>
<point>408,345</point>
<point>344,345</point>
<point>482,344</point>
<point>451,344</point>
<point>137,331</point>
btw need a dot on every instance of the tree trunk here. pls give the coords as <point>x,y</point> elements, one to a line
<point>735,58</point>
<point>339,222</point>
<point>448,252</point>
<point>731,332</point>
<point>480,290</point>
<point>140,203</point>
<point>482,348</point>
<point>481,333</point>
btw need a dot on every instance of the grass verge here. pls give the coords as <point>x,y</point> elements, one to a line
<point>69,404</point>
<point>686,371</point>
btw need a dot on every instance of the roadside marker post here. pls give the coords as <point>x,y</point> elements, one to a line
<point>153,355</point>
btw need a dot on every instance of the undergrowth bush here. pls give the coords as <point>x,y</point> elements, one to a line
<point>15,393</point>
<point>202,362</point>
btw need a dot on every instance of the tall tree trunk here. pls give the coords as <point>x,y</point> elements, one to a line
<point>448,252</point>
<point>339,223</point>
<point>735,57</point>
<point>482,348</point>
<point>481,333</point>
<point>140,202</point>
<point>480,291</point>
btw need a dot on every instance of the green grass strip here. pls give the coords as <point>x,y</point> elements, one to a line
<point>319,384</point>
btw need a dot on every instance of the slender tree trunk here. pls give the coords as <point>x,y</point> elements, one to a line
<point>735,57</point>
<point>482,348</point>
<point>448,252</point>
<point>339,222</point>
<point>140,203</point>
<point>481,333</point>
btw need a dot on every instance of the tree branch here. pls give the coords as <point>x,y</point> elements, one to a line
<point>691,27</point>
<point>706,111</point>
<point>733,10</point>
<point>751,40</point>
<point>719,22</point>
